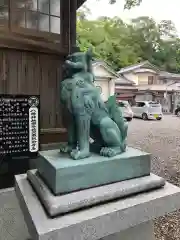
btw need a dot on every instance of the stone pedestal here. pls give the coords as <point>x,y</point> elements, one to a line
<point>56,205</point>
<point>121,219</point>
<point>63,174</point>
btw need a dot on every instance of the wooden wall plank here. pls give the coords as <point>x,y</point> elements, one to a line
<point>34,73</point>
<point>12,72</point>
<point>46,104</point>
<point>3,74</point>
<point>58,104</point>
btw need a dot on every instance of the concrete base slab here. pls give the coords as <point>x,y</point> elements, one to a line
<point>56,205</point>
<point>98,221</point>
<point>63,174</point>
<point>144,231</point>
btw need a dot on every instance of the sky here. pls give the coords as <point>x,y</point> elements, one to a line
<point>157,9</point>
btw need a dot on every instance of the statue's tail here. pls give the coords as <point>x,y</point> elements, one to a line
<point>112,106</point>
<point>116,115</point>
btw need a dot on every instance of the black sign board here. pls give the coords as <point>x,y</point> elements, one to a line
<point>19,125</point>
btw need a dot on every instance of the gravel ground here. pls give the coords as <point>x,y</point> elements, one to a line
<point>162,139</point>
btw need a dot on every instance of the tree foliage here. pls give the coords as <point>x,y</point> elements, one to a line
<point>128,3</point>
<point>121,44</point>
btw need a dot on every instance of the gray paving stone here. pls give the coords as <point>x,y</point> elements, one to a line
<point>12,224</point>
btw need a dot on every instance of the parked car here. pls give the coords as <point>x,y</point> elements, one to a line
<point>148,110</point>
<point>177,110</point>
<point>126,110</point>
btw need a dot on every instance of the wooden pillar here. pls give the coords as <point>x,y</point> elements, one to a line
<point>73,8</point>
<point>65,24</point>
<point>68,23</point>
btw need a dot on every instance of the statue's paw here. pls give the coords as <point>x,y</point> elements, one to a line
<point>107,152</point>
<point>65,148</point>
<point>76,154</point>
<point>123,147</point>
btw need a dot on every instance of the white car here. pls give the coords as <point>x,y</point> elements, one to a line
<point>126,110</point>
<point>148,110</point>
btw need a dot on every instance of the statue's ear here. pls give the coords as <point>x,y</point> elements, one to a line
<point>89,52</point>
<point>68,57</point>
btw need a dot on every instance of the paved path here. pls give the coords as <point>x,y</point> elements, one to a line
<point>161,138</point>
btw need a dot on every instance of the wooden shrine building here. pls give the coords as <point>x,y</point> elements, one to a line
<point>35,38</point>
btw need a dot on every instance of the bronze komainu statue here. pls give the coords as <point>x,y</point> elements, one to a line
<point>89,115</point>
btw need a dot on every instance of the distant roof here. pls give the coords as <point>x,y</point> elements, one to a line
<point>80,2</point>
<point>125,87</point>
<point>164,74</point>
<point>136,66</point>
<point>123,80</point>
<point>105,65</point>
<point>120,78</point>
<point>163,87</point>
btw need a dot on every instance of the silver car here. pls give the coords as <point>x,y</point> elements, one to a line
<point>148,110</point>
<point>126,110</point>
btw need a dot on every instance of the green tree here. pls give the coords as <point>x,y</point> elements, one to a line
<point>110,39</point>
<point>121,44</point>
<point>128,3</point>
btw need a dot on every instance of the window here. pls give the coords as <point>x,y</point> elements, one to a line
<point>4,13</point>
<point>31,16</point>
<point>154,104</point>
<point>140,104</point>
<point>150,80</point>
<point>121,104</point>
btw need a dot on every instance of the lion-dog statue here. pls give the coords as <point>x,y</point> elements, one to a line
<point>89,116</point>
